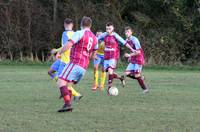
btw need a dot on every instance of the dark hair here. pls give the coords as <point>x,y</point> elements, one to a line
<point>68,21</point>
<point>86,22</point>
<point>128,28</point>
<point>109,24</point>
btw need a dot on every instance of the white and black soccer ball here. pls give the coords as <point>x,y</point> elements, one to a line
<point>113,91</point>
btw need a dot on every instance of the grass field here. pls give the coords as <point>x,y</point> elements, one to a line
<point>29,101</point>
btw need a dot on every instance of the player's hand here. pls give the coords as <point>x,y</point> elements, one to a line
<point>127,55</point>
<point>58,56</point>
<point>53,51</point>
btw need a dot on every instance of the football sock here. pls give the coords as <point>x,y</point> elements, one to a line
<point>131,76</point>
<point>103,78</point>
<point>96,75</point>
<point>74,92</point>
<point>110,80</point>
<point>115,75</point>
<point>141,82</point>
<point>66,94</point>
<point>139,79</point>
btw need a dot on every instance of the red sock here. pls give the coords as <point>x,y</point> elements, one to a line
<point>66,94</point>
<point>110,80</point>
<point>116,76</point>
<point>141,82</point>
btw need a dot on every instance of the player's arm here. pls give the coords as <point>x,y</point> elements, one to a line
<point>94,54</point>
<point>123,42</point>
<point>137,46</point>
<point>75,38</point>
<point>136,52</point>
<point>66,47</point>
<point>102,36</point>
<point>53,51</point>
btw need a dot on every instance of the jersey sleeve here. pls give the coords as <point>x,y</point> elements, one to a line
<point>102,36</point>
<point>77,36</point>
<point>64,38</point>
<point>96,44</point>
<point>137,43</point>
<point>120,39</point>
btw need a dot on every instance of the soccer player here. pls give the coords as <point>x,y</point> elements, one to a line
<point>61,61</point>
<point>99,60</point>
<point>111,52</point>
<point>134,68</point>
<point>83,44</point>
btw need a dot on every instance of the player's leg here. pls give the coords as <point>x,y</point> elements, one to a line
<point>96,63</point>
<point>71,73</point>
<point>96,77</point>
<point>52,73</point>
<point>134,72</point>
<point>63,86</point>
<point>103,73</point>
<point>65,94</point>
<point>74,92</point>
<point>76,75</point>
<point>112,64</point>
<point>121,78</point>
<point>130,71</point>
<point>106,68</point>
<point>110,77</point>
<point>77,95</point>
<point>53,70</point>
<point>103,78</point>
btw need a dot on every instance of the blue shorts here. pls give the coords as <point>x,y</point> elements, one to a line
<point>110,64</point>
<point>135,68</point>
<point>61,67</point>
<point>55,66</point>
<point>99,60</point>
<point>72,73</point>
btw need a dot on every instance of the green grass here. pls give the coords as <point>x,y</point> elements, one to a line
<point>29,101</point>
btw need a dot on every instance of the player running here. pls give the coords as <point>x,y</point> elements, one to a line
<point>111,52</point>
<point>62,60</point>
<point>99,60</point>
<point>134,68</point>
<point>83,44</point>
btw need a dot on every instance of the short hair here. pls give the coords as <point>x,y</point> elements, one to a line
<point>128,28</point>
<point>86,21</point>
<point>109,24</point>
<point>68,21</point>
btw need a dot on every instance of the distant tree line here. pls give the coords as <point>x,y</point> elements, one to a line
<point>169,30</point>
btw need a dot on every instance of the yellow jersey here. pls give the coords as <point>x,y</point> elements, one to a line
<point>101,48</point>
<point>65,57</point>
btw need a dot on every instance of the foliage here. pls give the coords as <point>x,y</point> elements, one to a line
<point>169,30</point>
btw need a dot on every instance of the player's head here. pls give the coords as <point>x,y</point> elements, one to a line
<point>99,32</point>
<point>86,22</point>
<point>68,24</point>
<point>109,27</point>
<point>128,31</point>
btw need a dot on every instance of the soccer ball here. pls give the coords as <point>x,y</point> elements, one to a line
<point>113,91</point>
